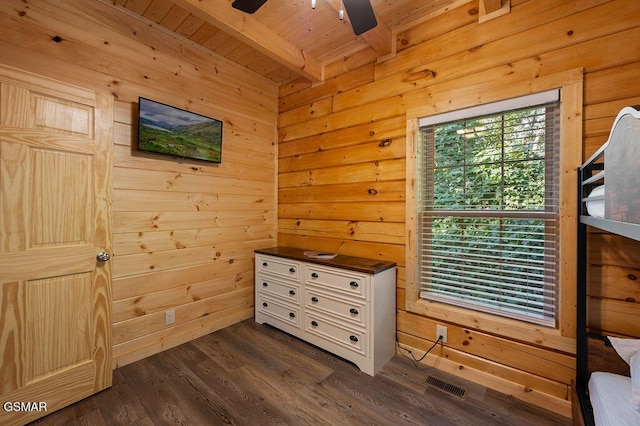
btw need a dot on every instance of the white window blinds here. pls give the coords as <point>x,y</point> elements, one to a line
<point>489,202</point>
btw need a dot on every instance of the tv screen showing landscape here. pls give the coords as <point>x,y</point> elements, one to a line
<point>173,131</point>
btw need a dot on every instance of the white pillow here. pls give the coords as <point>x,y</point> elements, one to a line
<point>626,348</point>
<point>635,381</point>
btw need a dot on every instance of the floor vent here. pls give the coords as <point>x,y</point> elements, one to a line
<point>446,387</point>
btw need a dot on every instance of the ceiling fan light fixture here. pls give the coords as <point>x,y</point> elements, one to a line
<point>360,12</point>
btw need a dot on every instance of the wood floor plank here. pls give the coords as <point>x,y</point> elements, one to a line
<point>398,403</point>
<point>119,404</point>
<point>159,400</point>
<point>304,363</point>
<point>252,374</point>
<point>205,403</point>
<point>244,400</point>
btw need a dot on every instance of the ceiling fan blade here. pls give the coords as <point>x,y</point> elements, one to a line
<point>248,6</point>
<point>361,15</point>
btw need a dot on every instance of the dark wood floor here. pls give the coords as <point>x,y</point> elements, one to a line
<point>251,374</point>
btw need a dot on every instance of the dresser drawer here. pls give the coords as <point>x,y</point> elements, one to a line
<point>278,310</point>
<point>279,266</point>
<point>354,311</point>
<point>285,290</point>
<point>353,339</point>
<point>346,282</point>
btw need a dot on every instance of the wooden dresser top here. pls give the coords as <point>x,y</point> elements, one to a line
<point>360,264</point>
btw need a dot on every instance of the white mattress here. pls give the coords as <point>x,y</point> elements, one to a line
<point>610,396</point>
<point>595,202</point>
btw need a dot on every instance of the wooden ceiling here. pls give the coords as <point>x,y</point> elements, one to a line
<point>287,39</point>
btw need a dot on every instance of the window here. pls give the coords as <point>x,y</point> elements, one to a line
<point>489,208</point>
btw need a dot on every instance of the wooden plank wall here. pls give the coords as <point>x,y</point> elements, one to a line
<point>184,231</point>
<point>341,167</point>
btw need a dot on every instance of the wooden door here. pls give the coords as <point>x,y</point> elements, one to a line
<point>55,296</point>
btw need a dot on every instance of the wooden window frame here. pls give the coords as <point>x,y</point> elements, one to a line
<point>562,337</point>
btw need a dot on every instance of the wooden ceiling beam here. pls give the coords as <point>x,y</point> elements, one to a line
<point>380,38</point>
<point>246,28</point>
<point>490,9</point>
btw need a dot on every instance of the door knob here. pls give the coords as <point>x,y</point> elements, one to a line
<point>103,256</point>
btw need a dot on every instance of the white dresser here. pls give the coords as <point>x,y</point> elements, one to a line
<point>346,305</point>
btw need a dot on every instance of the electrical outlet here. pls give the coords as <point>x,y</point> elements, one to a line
<point>170,317</point>
<point>441,330</point>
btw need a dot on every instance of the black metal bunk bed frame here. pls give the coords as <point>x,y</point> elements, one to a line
<point>591,174</point>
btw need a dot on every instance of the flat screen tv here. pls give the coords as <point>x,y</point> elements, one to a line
<point>173,131</point>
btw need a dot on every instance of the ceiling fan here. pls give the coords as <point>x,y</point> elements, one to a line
<point>360,12</point>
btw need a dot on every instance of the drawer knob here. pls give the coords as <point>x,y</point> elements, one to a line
<point>353,284</point>
<point>314,323</point>
<point>292,270</point>
<point>353,338</point>
<point>292,292</point>
<point>265,304</point>
<point>354,311</point>
<point>265,264</point>
<point>292,315</point>
<point>314,275</point>
<point>265,285</point>
<point>314,299</point>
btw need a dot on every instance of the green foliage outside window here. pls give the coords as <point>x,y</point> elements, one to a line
<point>478,250</point>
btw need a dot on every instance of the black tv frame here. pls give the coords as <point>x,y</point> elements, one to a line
<point>184,140</point>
